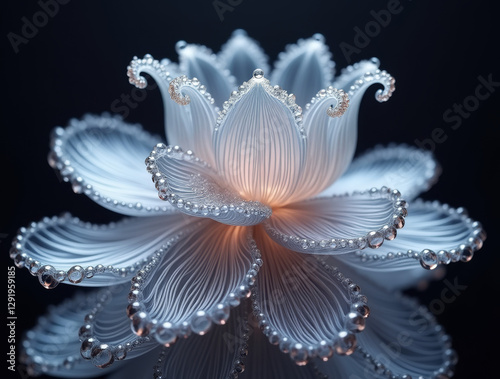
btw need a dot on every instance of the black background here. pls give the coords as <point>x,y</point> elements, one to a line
<point>76,64</point>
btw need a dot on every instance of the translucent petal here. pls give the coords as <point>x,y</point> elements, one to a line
<point>189,111</point>
<point>338,224</point>
<point>410,170</point>
<point>221,353</point>
<point>103,157</point>
<point>200,275</point>
<point>242,55</point>
<point>258,142</point>
<point>105,333</point>
<point>288,287</point>
<point>52,347</point>
<point>434,235</point>
<point>66,249</point>
<point>193,187</point>
<point>401,338</point>
<point>197,61</point>
<point>351,73</point>
<point>266,361</point>
<point>304,68</point>
<point>331,140</point>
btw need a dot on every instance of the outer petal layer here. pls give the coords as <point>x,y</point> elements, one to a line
<point>434,235</point>
<point>289,286</point>
<point>194,281</point>
<point>102,157</point>
<point>266,361</point>
<point>52,346</point>
<point>194,188</point>
<point>65,249</point>
<point>219,354</point>
<point>410,170</point>
<point>258,143</point>
<point>401,339</point>
<point>339,224</point>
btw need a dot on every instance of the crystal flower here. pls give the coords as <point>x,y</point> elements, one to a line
<point>249,257</point>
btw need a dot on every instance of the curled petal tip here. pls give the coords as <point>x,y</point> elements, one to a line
<point>175,93</point>
<point>342,103</point>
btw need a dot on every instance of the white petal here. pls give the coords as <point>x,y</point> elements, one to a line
<point>338,224</point>
<point>266,361</point>
<point>258,142</point>
<point>197,279</point>
<point>304,68</point>
<point>331,130</point>
<point>194,188</point>
<point>400,338</point>
<point>65,249</point>
<point>219,354</point>
<point>434,235</point>
<point>410,170</point>
<point>331,140</point>
<point>352,73</point>
<point>197,61</point>
<point>103,157</point>
<point>303,307</point>
<point>189,111</point>
<point>241,55</point>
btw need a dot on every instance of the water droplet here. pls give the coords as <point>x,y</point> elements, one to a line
<point>141,325</point>
<point>200,323</point>
<point>375,240</point>
<point>355,322</point>
<point>220,314</point>
<point>299,354</point>
<point>102,356</point>
<point>258,74</point>
<point>166,334</point>
<point>86,348</point>
<point>345,343</point>
<point>428,259</point>
<point>47,277</point>
<point>319,37</point>
<point>180,45</point>
<point>324,351</point>
<point>76,274</point>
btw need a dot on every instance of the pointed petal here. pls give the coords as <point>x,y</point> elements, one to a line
<point>434,235</point>
<point>242,55</point>
<point>52,347</point>
<point>103,157</point>
<point>258,142</point>
<point>194,188</point>
<point>220,353</point>
<point>304,68</point>
<point>193,284</point>
<point>65,249</point>
<point>266,361</point>
<point>197,61</point>
<point>350,74</point>
<point>289,286</point>
<point>338,224</point>
<point>401,338</point>
<point>410,170</point>
<point>189,109</point>
<point>331,140</point>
